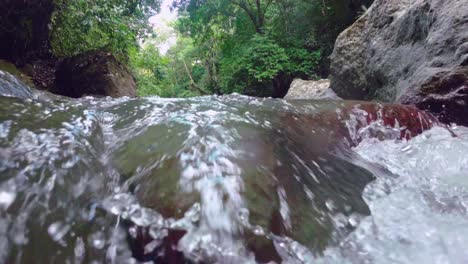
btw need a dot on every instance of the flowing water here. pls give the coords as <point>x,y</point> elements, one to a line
<point>228,179</point>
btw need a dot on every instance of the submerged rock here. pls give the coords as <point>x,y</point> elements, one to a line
<point>228,179</point>
<point>257,191</point>
<point>94,73</point>
<point>302,89</point>
<point>412,52</point>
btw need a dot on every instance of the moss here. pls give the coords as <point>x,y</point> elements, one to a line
<point>11,68</point>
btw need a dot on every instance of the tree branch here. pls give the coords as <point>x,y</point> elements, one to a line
<point>192,82</point>
<point>250,13</point>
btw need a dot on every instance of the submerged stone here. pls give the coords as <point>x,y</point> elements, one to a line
<point>201,180</point>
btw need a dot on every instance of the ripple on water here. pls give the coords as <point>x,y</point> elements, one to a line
<point>226,179</point>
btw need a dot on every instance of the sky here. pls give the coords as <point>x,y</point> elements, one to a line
<point>161,23</point>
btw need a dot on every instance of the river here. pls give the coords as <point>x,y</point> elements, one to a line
<point>227,179</point>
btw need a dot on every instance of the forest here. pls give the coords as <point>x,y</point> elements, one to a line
<point>251,47</point>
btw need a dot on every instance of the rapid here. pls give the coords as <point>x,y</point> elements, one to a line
<point>227,179</point>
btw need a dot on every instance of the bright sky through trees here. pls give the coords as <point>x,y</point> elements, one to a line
<point>162,25</point>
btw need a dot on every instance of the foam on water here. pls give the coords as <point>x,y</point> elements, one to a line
<point>421,214</point>
<point>226,179</point>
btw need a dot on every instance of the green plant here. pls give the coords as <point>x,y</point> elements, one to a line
<point>82,25</point>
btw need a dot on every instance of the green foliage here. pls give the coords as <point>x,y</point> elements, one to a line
<point>256,62</point>
<point>148,67</point>
<point>114,25</point>
<point>258,47</point>
<point>303,63</point>
<point>264,59</point>
<point>82,25</point>
<point>223,46</point>
<point>260,61</point>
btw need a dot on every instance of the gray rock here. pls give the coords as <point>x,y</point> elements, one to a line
<point>319,90</point>
<point>94,73</point>
<point>407,51</point>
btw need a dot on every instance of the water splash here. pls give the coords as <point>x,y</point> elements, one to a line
<point>421,216</point>
<point>215,179</point>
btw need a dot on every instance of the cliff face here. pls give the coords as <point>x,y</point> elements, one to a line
<point>95,73</point>
<point>407,51</point>
<point>24,29</point>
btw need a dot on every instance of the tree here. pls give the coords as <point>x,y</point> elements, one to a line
<point>254,47</point>
<point>255,11</point>
<point>148,67</point>
<point>83,25</point>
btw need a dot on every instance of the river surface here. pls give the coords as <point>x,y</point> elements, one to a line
<point>229,179</point>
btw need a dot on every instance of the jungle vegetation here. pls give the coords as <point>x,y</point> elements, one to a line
<point>252,47</point>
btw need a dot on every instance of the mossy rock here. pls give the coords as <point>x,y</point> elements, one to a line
<point>11,69</point>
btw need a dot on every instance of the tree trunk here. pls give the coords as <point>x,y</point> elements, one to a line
<point>192,82</point>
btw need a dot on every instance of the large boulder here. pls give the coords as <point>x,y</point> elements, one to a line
<point>407,51</point>
<point>95,73</point>
<point>318,90</point>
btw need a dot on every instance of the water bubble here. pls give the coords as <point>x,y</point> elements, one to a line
<point>157,233</point>
<point>194,213</point>
<point>5,128</point>
<point>145,217</point>
<point>353,220</point>
<point>244,216</point>
<point>119,203</point>
<point>58,230</point>
<point>406,148</point>
<point>111,253</point>
<point>133,231</point>
<point>150,247</point>
<point>6,199</point>
<point>98,240</point>
<point>258,231</point>
<point>79,248</point>
<point>330,204</point>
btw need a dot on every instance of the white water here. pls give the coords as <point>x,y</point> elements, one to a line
<point>59,173</point>
<point>420,215</point>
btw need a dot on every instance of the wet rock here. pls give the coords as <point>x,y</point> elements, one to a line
<point>94,73</point>
<point>411,52</point>
<point>446,95</point>
<point>302,89</point>
<point>11,86</point>
<point>288,179</point>
<point>42,72</point>
<point>188,181</point>
<point>13,70</point>
<point>24,31</point>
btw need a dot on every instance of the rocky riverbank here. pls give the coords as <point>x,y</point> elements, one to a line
<point>410,52</point>
<point>26,52</point>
